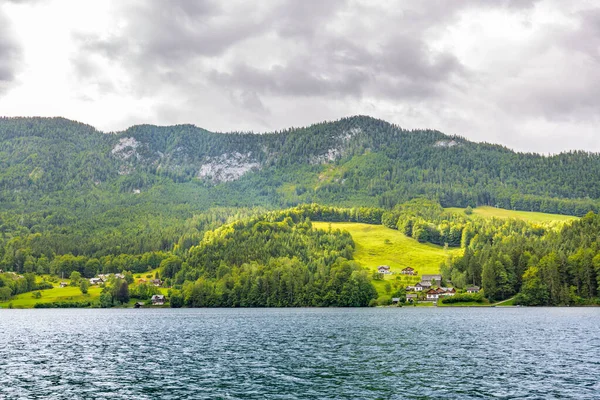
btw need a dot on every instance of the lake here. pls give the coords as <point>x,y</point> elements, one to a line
<point>383,353</point>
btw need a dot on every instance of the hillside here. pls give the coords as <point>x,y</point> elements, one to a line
<point>378,245</point>
<point>66,187</point>
<point>529,216</point>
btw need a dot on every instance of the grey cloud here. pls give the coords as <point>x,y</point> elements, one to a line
<point>254,57</point>
<point>304,19</point>
<point>10,54</point>
<point>167,35</point>
<point>559,76</point>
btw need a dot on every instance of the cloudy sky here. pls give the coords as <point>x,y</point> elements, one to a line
<point>522,73</point>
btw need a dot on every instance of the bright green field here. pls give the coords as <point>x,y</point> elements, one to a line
<point>69,293</point>
<point>66,294</point>
<point>529,216</point>
<point>378,245</point>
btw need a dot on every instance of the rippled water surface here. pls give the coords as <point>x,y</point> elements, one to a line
<point>391,353</point>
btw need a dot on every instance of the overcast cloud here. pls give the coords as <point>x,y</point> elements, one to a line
<point>525,74</point>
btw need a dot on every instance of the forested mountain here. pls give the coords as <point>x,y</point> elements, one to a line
<point>66,188</point>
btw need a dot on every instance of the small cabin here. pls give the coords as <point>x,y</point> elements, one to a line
<point>384,269</point>
<point>408,271</point>
<point>432,294</point>
<point>447,291</point>
<point>139,304</point>
<point>156,282</point>
<point>63,284</point>
<point>473,289</point>
<point>158,300</point>
<point>411,298</point>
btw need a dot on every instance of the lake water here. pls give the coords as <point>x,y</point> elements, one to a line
<point>394,353</point>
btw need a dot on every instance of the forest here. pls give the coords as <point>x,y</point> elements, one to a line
<point>208,209</point>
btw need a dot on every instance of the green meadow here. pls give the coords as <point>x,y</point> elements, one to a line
<point>378,245</point>
<point>69,293</point>
<point>490,212</point>
<point>56,294</point>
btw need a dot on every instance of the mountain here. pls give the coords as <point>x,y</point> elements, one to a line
<point>88,192</point>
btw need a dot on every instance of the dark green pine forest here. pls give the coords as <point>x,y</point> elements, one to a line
<point>217,212</point>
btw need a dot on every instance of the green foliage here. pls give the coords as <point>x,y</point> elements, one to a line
<point>542,265</point>
<point>5,293</point>
<point>75,278</point>
<point>120,291</point>
<point>143,291</point>
<point>63,304</point>
<point>463,298</point>
<point>77,202</point>
<point>272,261</point>
<point>84,286</point>
<point>176,299</point>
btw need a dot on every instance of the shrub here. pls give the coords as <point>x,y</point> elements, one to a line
<point>44,285</point>
<point>63,304</point>
<point>464,298</point>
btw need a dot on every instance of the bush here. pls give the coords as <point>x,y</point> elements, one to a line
<point>176,299</point>
<point>463,298</point>
<point>64,304</point>
<point>44,285</point>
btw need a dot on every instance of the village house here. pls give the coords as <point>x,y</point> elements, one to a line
<point>141,280</point>
<point>395,300</point>
<point>384,269</point>
<point>156,282</point>
<point>408,271</point>
<point>447,291</point>
<point>96,281</point>
<point>63,284</point>
<point>411,298</point>
<point>139,304</point>
<point>473,289</point>
<point>434,294</point>
<point>419,287</point>
<point>158,300</point>
<point>120,276</point>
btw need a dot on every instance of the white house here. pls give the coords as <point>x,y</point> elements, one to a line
<point>433,294</point>
<point>408,271</point>
<point>447,291</point>
<point>158,300</point>
<point>384,269</point>
<point>473,289</point>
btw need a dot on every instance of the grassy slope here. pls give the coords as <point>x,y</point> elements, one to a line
<point>67,294</point>
<point>529,216</point>
<point>399,252</point>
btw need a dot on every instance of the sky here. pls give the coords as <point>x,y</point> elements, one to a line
<point>525,74</point>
